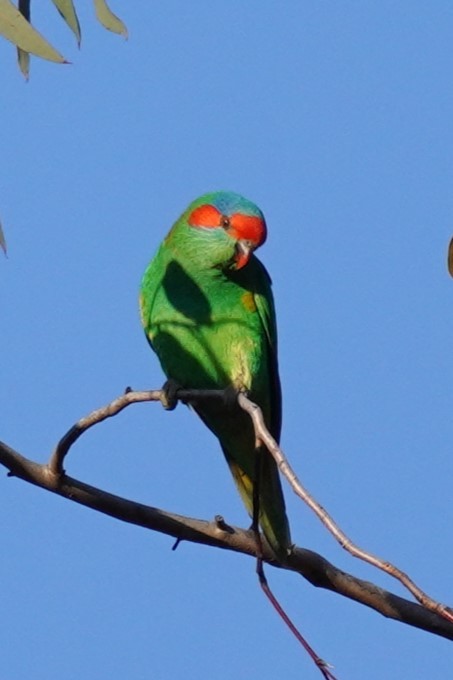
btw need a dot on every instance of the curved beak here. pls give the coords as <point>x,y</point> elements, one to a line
<point>244,249</point>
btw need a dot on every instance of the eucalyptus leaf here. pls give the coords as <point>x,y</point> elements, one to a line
<point>23,59</point>
<point>15,28</point>
<point>108,19</point>
<point>68,12</point>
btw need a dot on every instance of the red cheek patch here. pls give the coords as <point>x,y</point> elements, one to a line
<point>205,216</point>
<point>248,228</point>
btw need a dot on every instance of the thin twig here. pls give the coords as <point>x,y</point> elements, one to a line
<point>262,433</point>
<point>322,665</point>
<point>112,409</point>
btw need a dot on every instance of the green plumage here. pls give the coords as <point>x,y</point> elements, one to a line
<point>213,326</point>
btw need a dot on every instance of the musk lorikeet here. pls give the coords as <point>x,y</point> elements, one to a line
<point>208,313</point>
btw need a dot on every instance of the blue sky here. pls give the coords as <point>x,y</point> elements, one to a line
<point>337,120</point>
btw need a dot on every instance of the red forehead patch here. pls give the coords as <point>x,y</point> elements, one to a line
<point>205,216</point>
<point>248,228</point>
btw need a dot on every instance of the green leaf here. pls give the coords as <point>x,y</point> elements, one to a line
<point>67,11</point>
<point>15,28</point>
<point>108,19</point>
<point>2,239</point>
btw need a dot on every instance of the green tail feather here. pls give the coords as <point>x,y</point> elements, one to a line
<point>272,516</point>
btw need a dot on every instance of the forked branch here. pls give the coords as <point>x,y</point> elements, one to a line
<point>430,615</point>
<point>264,436</point>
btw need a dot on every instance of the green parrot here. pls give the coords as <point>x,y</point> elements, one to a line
<point>208,312</point>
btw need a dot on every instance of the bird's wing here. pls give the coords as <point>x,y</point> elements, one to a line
<point>264,301</point>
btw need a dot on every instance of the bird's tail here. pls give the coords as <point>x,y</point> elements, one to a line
<point>272,511</point>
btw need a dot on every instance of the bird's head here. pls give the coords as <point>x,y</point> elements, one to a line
<point>225,228</point>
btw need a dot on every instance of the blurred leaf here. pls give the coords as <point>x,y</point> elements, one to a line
<point>67,11</point>
<point>24,61</point>
<point>22,56</point>
<point>450,257</point>
<point>2,239</point>
<point>108,19</point>
<point>15,28</point>
<point>24,9</point>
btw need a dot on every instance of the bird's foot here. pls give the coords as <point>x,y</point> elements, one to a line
<point>169,394</point>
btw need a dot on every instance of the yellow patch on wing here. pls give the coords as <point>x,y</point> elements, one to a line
<point>248,301</point>
<point>241,376</point>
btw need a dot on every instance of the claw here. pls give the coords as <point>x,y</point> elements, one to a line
<point>169,396</point>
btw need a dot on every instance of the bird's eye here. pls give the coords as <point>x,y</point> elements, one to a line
<point>225,222</point>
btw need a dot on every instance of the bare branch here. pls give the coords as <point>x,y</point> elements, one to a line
<point>263,436</point>
<point>129,397</point>
<point>97,416</point>
<point>285,468</point>
<point>313,567</point>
